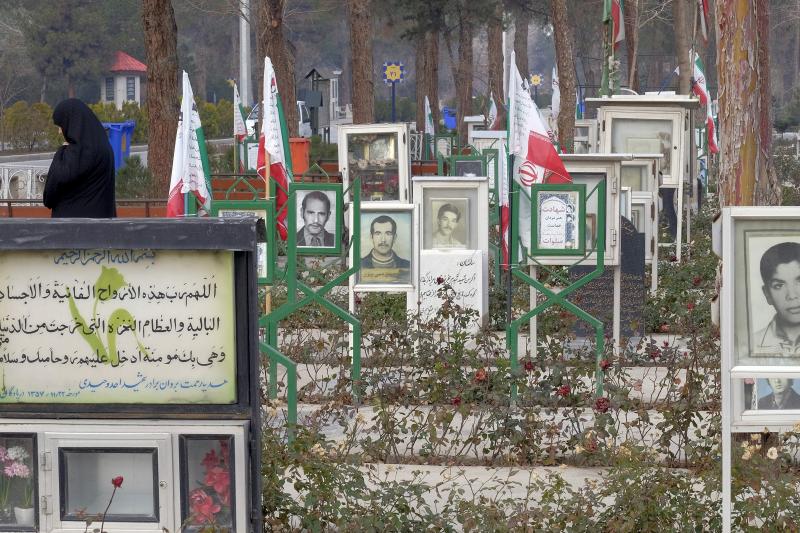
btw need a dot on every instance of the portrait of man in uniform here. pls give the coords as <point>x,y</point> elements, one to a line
<point>382,264</point>
<point>315,212</point>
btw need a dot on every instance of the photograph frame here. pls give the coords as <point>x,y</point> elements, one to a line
<point>466,215</point>
<point>456,159</point>
<point>337,215</point>
<point>576,194</point>
<point>265,252</point>
<point>386,208</point>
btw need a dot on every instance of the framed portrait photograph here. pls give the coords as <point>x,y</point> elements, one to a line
<point>467,165</point>
<point>264,211</point>
<point>387,247</point>
<point>558,223</point>
<point>778,393</point>
<point>318,216</point>
<point>450,227</point>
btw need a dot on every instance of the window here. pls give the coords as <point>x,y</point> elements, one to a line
<point>109,89</point>
<point>18,482</point>
<point>131,88</point>
<point>85,475</point>
<point>207,481</point>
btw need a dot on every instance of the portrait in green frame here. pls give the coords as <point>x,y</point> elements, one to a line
<point>318,209</point>
<point>467,165</point>
<point>558,225</point>
<point>260,209</point>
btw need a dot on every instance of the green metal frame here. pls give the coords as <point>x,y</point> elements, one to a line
<point>454,159</point>
<point>309,295</point>
<point>451,138</point>
<point>580,214</point>
<point>255,207</point>
<point>552,297</point>
<point>336,249</point>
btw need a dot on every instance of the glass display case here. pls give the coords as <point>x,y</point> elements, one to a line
<point>18,482</point>
<point>585,136</point>
<point>378,156</point>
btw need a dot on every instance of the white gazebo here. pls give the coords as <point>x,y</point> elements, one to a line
<point>123,82</point>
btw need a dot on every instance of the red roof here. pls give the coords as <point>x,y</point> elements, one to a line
<point>125,63</point>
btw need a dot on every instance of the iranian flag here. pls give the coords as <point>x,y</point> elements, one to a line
<point>430,129</point>
<point>239,127</point>
<point>702,6</point>
<point>537,160</point>
<point>190,168</point>
<point>612,13</point>
<point>492,119</point>
<point>274,158</point>
<point>700,88</point>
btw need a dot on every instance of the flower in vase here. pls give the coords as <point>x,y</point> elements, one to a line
<point>210,460</point>
<point>3,454</point>
<point>218,478</point>
<point>17,453</point>
<point>17,470</point>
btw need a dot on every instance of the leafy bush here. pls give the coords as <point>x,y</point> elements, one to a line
<point>31,127</point>
<point>134,180</point>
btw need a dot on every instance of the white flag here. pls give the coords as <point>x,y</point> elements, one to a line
<point>492,121</point>
<point>556,101</point>
<point>239,127</point>
<point>429,126</point>
<point>190,168</point>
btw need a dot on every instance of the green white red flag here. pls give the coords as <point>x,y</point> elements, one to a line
<point>274,158</point>
<point>537,160</point>
<point>612,14</point>
<point>239,127</point>
<point>190,167</point>
<point>702,6</point>
<point>700,89</point>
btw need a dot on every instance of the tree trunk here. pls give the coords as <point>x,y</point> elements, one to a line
<point>421,85</point>
<point>276,46</point>
<point>432,74</point>
<point>631,14</point>
<point>566,75</point>
<point>464,71</point>
<point>358,13</point>
<point>679,15</point>
<point>747,176</point>
<point>163,94</point>
<point>494,32</point>
<point>521,40</point>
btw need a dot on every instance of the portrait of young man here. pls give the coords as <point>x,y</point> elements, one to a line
<point>447,227</point>
<point>315,211</point>
<point>382,264</point>
<point>780,274</point>
<point>782,394</point>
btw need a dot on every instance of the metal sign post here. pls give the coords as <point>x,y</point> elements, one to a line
<point>393,73</point>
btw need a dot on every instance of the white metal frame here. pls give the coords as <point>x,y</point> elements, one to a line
<point>401,132</point>
<point>162,435</point>
<point>650,226</point>
<point>591,138</point>
<point>444,183</point>
<point>380,207</point>
<point>736,419</point>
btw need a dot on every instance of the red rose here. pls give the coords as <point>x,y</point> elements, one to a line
<point>654,353</point>
<point>439,280</point>
<point>602,404</point>
<point>203,507</point>
<point>117,482</point>
<point>481,375</point>
<point>664,328</point>
<point>528,365</point>
<point>357,299</point>
<point>564,390</point>
<point>456,401</point>
<point>673,258</point>
<point>665,344</point>
<point>697,281</point>
<point>690,306</point>
<point>605,364</point>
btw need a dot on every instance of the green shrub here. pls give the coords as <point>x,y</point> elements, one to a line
<point>134,180</point>
<point>31,127</point>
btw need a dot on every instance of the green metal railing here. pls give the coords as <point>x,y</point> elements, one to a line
<point>557,298</point>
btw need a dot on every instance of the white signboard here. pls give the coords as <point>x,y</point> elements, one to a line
<point>464,271</point>
<point>558,212</point>
<point>117,326</point>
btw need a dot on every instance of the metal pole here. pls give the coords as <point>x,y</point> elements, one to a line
<point>244,54</point>
<point>394,111</point>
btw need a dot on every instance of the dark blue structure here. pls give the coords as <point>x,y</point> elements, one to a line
<point>119,136</point>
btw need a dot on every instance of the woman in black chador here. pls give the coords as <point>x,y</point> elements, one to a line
<point>80,182</point>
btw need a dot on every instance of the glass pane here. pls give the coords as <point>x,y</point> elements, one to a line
<point>207,486</point>
<point>591,181</point>
<point>17,481</point>
<point>86,483</point>
<point>635,177</point>
<point>372,157</point>
<point>638,212</point>
<point>637,136</point>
